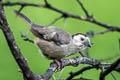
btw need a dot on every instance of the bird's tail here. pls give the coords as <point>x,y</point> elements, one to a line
<point>26,19</point>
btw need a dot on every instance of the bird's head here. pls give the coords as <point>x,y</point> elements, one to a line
<point>81,40</point>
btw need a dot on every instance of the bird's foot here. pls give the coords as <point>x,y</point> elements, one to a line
<point>25,37</point>
<point>59,65</point>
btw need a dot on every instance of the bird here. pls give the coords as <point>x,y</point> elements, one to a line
<point>54,42</point>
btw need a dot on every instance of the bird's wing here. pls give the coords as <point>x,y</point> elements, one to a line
<point>57,35</point>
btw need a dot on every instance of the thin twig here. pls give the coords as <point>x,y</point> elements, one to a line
<point>53,77</point>
<point>82,78</point>
<point>72,75</point>
<point>103,32</point>
<point>113,76</point>
<point>83,8</point>
<point>119,43</point>
<point>82,54</point>
<point>60,74</point>
<point>46,2</point>
<point>21,8</point>
<point>55,20</point>
<point>92,33</point>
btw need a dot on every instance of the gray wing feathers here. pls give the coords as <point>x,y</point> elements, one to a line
<point>62,36</point>
<point>56,34</point>
<point>50,33</point>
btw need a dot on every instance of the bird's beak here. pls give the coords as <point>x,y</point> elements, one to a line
<point>89,44</point>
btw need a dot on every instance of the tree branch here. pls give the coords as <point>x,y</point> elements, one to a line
<point>109,70</point>
<point>22,4</point>
<point>55,20</point>
<point>83,8</point>
<point>92,33</point>
<point>28,74</point>
<point>82,54</point>
<point>113,76</point>
<point>72,75</point>
<point>65,14</point>
<point>75,62</point>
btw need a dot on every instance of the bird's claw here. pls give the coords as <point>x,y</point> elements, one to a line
<point>25,37</point>
<point>59,65</point>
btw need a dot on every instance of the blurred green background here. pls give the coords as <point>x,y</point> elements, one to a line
<point>105,46</point>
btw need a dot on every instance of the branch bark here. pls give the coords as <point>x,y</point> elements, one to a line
<point>28,74</point>
<point>65,14</point>
<point>72,75</point>
<point>110,69</point>
<point>75,62</point>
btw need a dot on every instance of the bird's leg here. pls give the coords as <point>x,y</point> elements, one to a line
<point>25,37</point>
<point>60,65</point>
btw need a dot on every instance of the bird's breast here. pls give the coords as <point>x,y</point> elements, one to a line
<point>50,49</point>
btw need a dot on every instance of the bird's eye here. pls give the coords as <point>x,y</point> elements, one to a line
<point>82,39</point>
